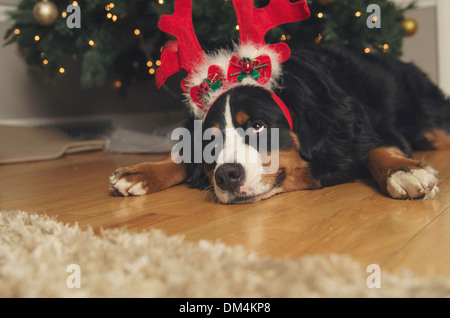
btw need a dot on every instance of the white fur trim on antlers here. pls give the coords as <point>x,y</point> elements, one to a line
<point>222,70</point>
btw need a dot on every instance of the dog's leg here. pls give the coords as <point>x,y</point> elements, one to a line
<point>147,177</point>
<point>401,177</point>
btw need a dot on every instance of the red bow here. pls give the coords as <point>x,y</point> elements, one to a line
<point>260,69</point>
<point>200,94</point>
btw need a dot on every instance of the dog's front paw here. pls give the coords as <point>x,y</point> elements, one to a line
<point>413,184</point>
<point>129,181</point>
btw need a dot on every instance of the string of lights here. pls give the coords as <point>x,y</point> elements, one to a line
<point>119,39</point>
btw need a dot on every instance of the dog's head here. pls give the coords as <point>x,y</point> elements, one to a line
<point>253,154</point>
<point>219,86</point>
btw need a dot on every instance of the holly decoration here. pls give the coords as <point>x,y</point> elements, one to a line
<point>209,85</point>
<point>248,70</point>
<point>200,94</point>
<point>259,69</point>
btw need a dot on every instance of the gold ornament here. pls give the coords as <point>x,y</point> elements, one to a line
<point>45,12</point>
<point>326,2</point>
<point>410,26</point>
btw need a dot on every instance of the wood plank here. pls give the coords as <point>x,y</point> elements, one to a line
<point>371,230</point>
<point>270,221</point>
<point>428,252</point>
<point>354,218</point>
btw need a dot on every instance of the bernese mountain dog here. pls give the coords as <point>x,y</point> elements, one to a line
<point>355,115</point>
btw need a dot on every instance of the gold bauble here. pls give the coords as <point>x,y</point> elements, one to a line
<point>45,12</point>
<point>410,26</point>
<point>326,2</point>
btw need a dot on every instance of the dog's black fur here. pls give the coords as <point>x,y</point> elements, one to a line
<point>343,105</point>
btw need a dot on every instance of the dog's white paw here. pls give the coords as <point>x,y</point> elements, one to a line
<point>120,186</point>
<point>413,184</point>
<point>126,188</point>
<point>126,184</point>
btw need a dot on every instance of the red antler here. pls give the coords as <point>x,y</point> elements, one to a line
<point>187,52</point>
<point>255,23</point>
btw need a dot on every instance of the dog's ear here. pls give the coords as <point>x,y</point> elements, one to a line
<point>195,174</point>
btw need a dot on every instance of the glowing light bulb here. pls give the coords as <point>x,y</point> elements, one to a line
<point>62,70</point>
<point>158,63</point>
<point>320,15</point>
<point>91,43</point>
<point>137,32</point>
<point>37,38</point>
<point>16,31</point>
<point>149,63</point>
<point>358,14</point>
<point>45,62</point>
<point>237,27</point>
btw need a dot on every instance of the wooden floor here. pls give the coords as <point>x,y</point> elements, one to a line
<point>353,219</point>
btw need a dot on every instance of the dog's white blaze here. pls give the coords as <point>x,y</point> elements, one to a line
<point>235,150</point>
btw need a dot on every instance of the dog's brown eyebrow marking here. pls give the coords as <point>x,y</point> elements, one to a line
<point>241,117</point>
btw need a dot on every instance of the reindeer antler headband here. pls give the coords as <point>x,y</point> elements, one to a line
<point>251,62</point>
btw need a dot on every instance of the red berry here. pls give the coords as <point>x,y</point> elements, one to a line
<point>247,67</point>
<point>204,88</point>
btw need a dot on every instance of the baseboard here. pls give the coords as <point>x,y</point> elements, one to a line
<point>83,127</point>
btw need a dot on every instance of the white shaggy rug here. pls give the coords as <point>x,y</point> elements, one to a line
<point>40,257</point>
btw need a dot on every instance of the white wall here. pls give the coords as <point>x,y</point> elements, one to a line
<point>430,47</point>
<point>422,47</point>
<point>443,34</point>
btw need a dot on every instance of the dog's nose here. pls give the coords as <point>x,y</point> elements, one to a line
<point>229,176</point>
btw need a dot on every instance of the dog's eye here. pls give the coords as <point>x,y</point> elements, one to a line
<point>257,127</point>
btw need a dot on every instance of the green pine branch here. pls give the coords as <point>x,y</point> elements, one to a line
<point>120,54</point>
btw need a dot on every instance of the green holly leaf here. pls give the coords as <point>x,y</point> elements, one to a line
<point>255,74</point>
<point>217,85</point>
<point>205,97</point>
<point>241,77</point>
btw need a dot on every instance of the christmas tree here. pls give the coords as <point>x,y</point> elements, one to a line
<point>120,38</point>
